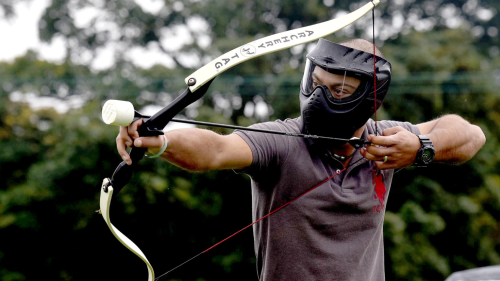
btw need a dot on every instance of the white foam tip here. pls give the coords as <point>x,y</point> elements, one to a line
<point>118,113</point>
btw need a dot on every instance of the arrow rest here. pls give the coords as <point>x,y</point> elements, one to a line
<point>357,142</point>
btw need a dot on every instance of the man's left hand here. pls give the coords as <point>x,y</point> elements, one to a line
<point>398,146</point>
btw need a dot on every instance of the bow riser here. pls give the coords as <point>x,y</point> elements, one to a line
<point>153,127</point>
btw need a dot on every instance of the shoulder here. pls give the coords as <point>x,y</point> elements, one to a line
<point>270,151</point>
<point>287,125</point>
<point>268,140</point>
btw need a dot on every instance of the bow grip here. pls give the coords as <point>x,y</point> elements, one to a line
<point>152,127</point>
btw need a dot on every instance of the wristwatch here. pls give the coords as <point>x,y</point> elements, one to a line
<point>426,153</point>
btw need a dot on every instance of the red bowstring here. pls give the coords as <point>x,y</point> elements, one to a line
<point>374,72</point>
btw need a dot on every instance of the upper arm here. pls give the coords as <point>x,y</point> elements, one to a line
<point>262,152</point>
<point>234,153</point>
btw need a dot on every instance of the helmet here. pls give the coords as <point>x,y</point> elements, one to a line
<point>339,115</point>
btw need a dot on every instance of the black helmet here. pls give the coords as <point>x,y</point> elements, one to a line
<point>327,115</point>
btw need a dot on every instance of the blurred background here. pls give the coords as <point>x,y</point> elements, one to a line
<point>60,60</point>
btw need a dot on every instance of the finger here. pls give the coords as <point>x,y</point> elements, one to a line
<point>384,166</point>
<point>381,140</point>
<point>365,153</point>
<point>392,131</point>
<point>380,150</point>
<point>125,137</point>
<point>120,145</point>
<point>382,161</point>
<point>392,162</point>
<point>132,129</point>
<point>386,139</point>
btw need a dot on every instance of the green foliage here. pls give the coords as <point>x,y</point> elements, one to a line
<point>443,219</point>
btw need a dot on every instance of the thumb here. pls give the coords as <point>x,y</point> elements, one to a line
<point>392,131</point>
<point>149,142</point>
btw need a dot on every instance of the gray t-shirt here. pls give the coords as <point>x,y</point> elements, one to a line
<point>334,232</point>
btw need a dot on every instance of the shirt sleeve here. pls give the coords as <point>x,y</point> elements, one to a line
<point>269,151</point>
<point>385,124</point>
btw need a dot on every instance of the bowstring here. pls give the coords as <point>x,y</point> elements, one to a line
<point>374,72</point>
<point>343,83</point>
<point>375,80</point>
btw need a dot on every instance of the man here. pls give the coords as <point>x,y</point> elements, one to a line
<point>333,232</point>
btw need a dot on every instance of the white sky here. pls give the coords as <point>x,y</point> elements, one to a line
<point>22,33</point>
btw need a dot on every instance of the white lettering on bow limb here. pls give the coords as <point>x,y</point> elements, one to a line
<point>273,43</point>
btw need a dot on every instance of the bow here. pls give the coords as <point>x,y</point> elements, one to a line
<point>198,84</point>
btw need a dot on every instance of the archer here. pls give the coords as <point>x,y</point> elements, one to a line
<point>331,233</point>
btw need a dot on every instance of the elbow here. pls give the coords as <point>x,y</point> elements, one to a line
<point>473,140</point>
<point>478,139</point>
<point>481,138</point>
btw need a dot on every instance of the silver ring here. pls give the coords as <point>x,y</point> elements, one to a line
<point>385,158</point>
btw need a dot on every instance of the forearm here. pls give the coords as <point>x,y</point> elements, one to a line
<point>193,149</point>
<point>455,139</point>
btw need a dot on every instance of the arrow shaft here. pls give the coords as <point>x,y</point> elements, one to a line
<point>292,134</point>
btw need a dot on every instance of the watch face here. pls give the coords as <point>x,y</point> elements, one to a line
<point>428,155</point>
